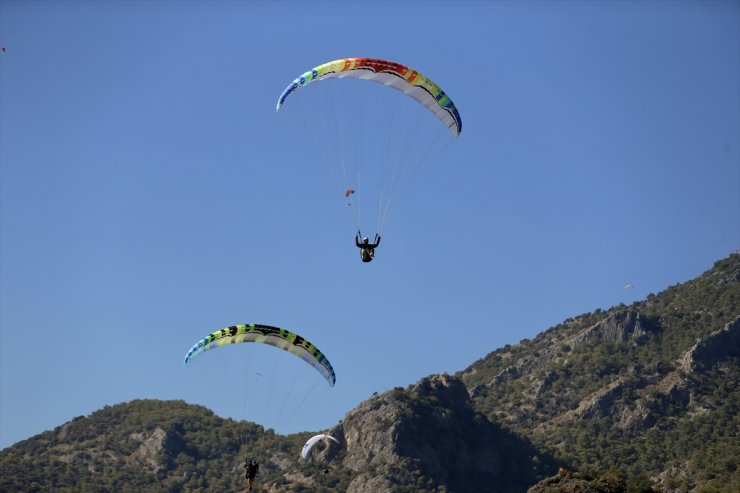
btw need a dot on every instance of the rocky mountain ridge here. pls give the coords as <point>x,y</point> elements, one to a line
<point>423,438</point>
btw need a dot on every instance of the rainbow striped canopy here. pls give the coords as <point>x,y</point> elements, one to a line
<point>391,74</point>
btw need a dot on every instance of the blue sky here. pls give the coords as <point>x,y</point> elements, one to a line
<point>149,193</point>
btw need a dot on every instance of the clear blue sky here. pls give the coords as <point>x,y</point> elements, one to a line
<point>149,193</point>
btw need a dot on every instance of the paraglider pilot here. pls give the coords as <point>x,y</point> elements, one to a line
<point>251,466</point>
<point>367,249</point>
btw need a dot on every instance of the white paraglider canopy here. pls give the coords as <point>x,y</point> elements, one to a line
<point>313,441</point>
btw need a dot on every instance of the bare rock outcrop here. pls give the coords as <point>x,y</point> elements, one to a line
<point>152,444</point>
<point>623,326</point>
<point>713,348</point>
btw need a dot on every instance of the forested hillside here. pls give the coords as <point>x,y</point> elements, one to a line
<point>650,388</point>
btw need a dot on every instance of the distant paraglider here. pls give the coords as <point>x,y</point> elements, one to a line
<point>313,441</point>
<point>628,286</point>
<point>347,194</point>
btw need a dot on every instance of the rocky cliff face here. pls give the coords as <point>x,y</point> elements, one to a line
<point>679,385</point>
<point>426,437</point>
<point>657,385</point>
<point>620,327</point>
<point>713,349</point>
<point>628,326</point>
<point>145,452</point>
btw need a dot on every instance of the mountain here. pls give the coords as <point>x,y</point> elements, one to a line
<point>631,399</point>
<point>429,438</point>
<point>650,388</point>
<point>425,438</point>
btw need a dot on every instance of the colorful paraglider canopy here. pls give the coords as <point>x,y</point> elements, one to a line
<point>349,192</point>
<point>313,441</point>
<point>273,336</point>
<point>390,74</point>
